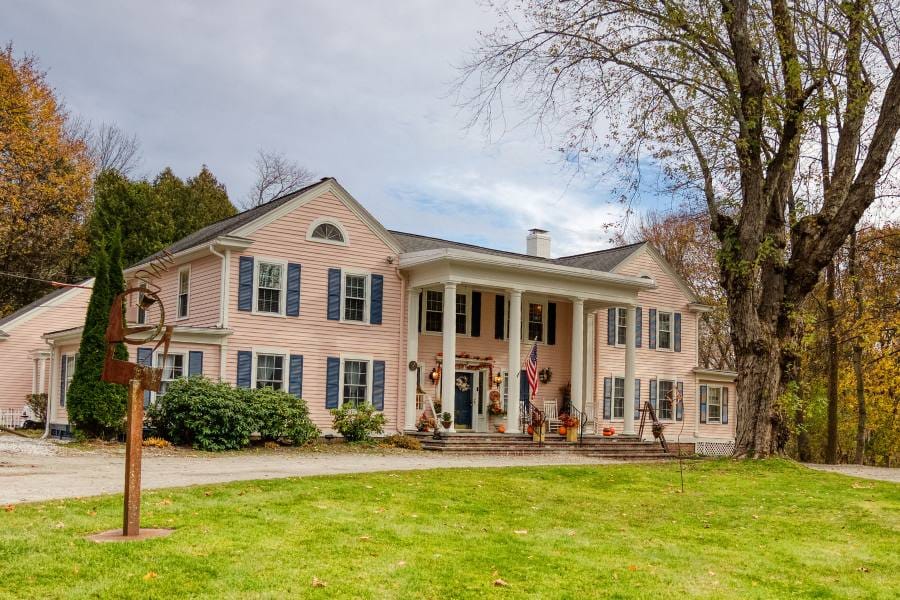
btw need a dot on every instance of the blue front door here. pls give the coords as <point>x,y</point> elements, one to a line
<point>464,391</point>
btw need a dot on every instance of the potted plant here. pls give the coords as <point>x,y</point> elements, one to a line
<point>568,426</point>
<point>425,423</point>
<point>537,430</point>
<point>446,420</point>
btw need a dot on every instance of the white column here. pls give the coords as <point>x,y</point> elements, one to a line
<point>629,370</point>
<point>577,357</point>
<point>448,370</point>
<point>590,337</point>
<point>412,354</point>
<point>515,360</point>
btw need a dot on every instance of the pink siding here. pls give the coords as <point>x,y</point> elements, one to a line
<point>712,430</point>
<point>312,334</point>
<point>557,357</point>
<point>651,364</point>
<point>17,371</point>
<point>203,297</point>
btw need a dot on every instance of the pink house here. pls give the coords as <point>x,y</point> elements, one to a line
<point>311,294</point>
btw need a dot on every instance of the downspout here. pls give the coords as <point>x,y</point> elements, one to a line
<point>223,305</point>
<point>401,371</point>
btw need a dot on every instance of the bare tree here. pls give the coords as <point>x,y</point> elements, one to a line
<point>111,148</point>
<point>728,96</point>
<point>276,175</point>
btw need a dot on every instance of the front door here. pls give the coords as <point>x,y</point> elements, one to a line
<point>465,387</point>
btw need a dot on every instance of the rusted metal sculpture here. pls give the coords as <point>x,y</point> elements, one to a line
<point>138,379</point>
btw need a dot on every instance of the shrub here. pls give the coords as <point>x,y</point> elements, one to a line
<point>281,416</point>
<point>38,405</point>
<point>215,416</point>
<point>357,424</point>
<point>399,440</point>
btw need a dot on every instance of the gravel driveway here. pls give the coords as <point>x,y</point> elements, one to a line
<point>879,473</point>
<point>32,470</point>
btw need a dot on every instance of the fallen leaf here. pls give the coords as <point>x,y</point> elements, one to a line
<point>364,538</point>
<point>318,583</point>
<point>712,574</point>
<point>632,567</point>
<point>150,575</point>
<point>500,583</point>
<point>401,563</point>
<point>863,569</point>
<point>9,508</point>
<point>571,533</point>
<point>521,531</point>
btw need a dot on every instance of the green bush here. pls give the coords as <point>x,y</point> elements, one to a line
<point>357,424</point>
<point>215,416</point>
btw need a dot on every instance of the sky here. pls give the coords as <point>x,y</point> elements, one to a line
<point>358,90</point>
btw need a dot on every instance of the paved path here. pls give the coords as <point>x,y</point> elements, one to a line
<point>879,473</point>
<point>31,470</point>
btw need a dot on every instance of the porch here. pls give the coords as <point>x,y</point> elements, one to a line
<point>489,312</point>
<point>517,444</point>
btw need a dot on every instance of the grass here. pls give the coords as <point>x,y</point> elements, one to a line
<point>741,530</point>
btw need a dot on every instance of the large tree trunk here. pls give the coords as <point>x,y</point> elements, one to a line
<point>831,444</point>
<point>857,356</point>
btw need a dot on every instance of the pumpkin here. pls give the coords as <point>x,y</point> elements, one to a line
<point>501,428</point>
<point>494,395</point>
<point>530,430</point>
<point>562,430</point>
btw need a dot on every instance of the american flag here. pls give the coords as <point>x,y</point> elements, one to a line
<point>531,370</point>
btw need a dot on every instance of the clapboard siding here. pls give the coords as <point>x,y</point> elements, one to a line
<point>312,334</point>
<point>203,299</point>
<point>726,431</point>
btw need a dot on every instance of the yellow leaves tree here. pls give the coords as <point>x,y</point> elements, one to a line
<point>45,182</point>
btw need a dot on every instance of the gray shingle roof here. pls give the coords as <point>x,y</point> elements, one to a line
<point>601,260</point>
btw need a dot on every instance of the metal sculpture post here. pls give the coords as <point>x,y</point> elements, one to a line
<point>138,379</point>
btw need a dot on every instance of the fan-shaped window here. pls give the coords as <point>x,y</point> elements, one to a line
<point>328,232</point>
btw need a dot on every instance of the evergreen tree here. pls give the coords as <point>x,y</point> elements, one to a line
<point>96,408</point>
<point>116,279</point>
<point>206,202</point>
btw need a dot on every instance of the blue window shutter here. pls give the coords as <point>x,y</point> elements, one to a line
<point>334,295</point>
<point>611,327</point>
<point>244,366</point>
<point>652,333</point>
<point>724,406</point>
<point>499,316</point>
<point>607,398</point>
<point>292,305</point>
<point>653,395</point>
<point>195,363</point>
<point>377,300</point>
<point>378,384</point>
<point>245,283</point>
<point>145,357</point>
<point>476,314</point>
<point>679,407</point>
<point>523,387</point>
<point>638,326</point>
<point>637,398</point>
<point>551,323</point>
<point>677,332</point>
<point>704,390</point>
<point>332,385</point>
<point>62,380</point>
<point>295,375</point>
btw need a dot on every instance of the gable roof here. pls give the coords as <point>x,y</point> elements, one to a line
<point>54,295</point>
<point>601,260</point>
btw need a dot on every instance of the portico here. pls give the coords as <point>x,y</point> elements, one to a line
<point>487,312</point>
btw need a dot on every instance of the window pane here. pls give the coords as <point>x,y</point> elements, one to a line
<point>183,282</point>
<point>665,330</point>
<point>620,326</point>
<point>461,314</point>
<point>269,288</point>
<point>355,298</point>
<point>327,231</point>
<point>619,398</point>
<point>665,399</point>
<point>714,404</point>
<point>434,310</point>
<point>270,371</point>
<point>536,322</point>
<point>355,381</point>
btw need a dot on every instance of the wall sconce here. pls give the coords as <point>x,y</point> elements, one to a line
<point>435,375</point>
<point>498,379</point>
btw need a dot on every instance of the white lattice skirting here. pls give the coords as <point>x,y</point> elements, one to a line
<point>714,448</point>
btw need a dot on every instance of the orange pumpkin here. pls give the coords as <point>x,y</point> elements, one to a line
<point>562,430</point>
<point>530,430</point>
<point>501,428</point>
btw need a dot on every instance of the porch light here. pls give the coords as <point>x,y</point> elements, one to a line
<point>498,379</point>
<point>435,375</point>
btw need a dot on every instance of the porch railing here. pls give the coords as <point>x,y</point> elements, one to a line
<point>582,421</point>
<point>11,418</point>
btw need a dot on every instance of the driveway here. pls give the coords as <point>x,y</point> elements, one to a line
<point>879,473</point>
<point>33,470</point>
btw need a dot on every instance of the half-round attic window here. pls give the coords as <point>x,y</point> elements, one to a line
<point>328,232</point>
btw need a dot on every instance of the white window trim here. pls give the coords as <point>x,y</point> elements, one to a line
<point>544,302</point>
<point>285,370</point>
<point>671,314</point>
<point>187,306</point>
<point>467,292</point>
<point>281,303</point>
<point>612,398</point>
<point>369,372</point>
<point>330,221</point>
<point>424,329</point>
<point>674,380</point>
<point>617,343</point>
<point>710,386</point>
<point>63,400</point>
<point>185,369</point>
<point>367,310</point>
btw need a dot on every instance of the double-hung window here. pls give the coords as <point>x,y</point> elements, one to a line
<point>270,287</point>
<point>535,322</point>
<point>714,404</point>
<point>618,404</point>
<point>621,325</point>
<point>356,386</point>
<point>355,297</point>
<point>141,312</point>
<point>270,371</point>
<point>434,311</point>
<point>666,399</point>
<point>462,302</point>
<point>69,373</point>
<point>172,370</point>
<point>664,330</point>
<point>184,288</point>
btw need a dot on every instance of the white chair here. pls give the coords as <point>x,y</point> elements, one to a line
<point>551,414</point>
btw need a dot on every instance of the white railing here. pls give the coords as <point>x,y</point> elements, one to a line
<point>11,418</point>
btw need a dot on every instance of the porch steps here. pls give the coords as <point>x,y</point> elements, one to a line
<point>510,444</point>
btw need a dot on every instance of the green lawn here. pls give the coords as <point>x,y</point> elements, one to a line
<point>741,530</point>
